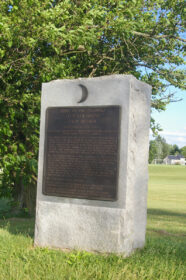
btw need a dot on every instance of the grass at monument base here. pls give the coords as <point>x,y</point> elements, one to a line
<point>163,257</point>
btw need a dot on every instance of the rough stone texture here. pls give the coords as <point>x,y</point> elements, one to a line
<point>92,225</point>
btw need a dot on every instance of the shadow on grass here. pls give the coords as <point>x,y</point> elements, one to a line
<point>158,246</point>
<point>165,218</point>
<point>25,226</point>
<point>160,212</point>
<point>164,222</point>
<point>19,226</point>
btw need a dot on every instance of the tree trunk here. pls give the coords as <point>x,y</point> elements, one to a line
<point>25,198</point>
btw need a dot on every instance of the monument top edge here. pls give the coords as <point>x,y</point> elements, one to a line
<point>105,77</point>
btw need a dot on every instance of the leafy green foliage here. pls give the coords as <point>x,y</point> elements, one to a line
<point>159,149</point>
<point>45,40</point>
<point>183,151</point>
<point>174,150</point>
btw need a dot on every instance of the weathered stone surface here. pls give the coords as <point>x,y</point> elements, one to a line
<point>105,226</point>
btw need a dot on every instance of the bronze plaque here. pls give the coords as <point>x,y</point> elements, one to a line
<point>81,152</point>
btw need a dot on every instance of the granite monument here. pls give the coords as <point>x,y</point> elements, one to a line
<point>93,164</point>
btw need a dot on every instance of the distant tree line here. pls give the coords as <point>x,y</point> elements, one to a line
<point>159,149</point>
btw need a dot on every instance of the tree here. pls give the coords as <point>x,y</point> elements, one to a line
<point>45,40</point>
<point>158,149</point>
<point>183,151</point>
<point>174,150</point>
<point>152,151</point>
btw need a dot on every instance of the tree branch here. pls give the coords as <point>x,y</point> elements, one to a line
<point>158,36</point>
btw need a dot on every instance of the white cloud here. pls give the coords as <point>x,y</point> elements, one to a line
<point>174,137</point>
<point>171,133</point>
<point>180,141</point>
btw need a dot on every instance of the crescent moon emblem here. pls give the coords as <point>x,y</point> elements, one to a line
<point>84,93</point>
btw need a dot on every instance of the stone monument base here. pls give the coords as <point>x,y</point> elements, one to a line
<point>86,228</point>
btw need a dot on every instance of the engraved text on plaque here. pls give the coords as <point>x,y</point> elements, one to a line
<point>81,152</point>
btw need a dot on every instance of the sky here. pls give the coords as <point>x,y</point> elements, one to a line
<point>173,121</point>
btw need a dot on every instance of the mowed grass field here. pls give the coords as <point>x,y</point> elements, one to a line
<point>163,257</point>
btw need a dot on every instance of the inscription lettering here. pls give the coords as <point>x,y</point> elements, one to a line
<point>81,152</point>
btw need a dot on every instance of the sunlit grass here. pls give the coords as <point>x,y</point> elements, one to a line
<point>163,257</point>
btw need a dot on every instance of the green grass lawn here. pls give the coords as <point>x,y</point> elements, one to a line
<point>163,257</point>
